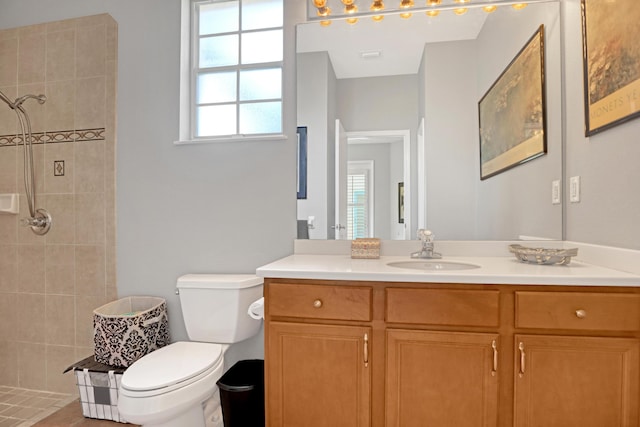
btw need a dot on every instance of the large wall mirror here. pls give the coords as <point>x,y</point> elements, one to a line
<point>391,113</point>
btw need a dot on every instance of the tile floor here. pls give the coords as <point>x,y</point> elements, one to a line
<point>71,416</point>
<point>21,407</point>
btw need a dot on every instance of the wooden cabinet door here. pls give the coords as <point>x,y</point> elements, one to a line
<point>441,379</point>
<point>566,381</point>
<point>318,375</point>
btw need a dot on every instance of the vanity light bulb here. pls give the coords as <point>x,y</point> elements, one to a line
<point>352,21</point>
<point>432,13</point>
<point>406,4</point>
<point>433,2</point>
<point>460,11</point>
<point>347,2</point>
<point>324,11</point>
<point>319,3</point>
<point>377,6</point>
<point>350,9</point>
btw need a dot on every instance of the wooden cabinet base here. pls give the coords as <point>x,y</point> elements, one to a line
<point>383,354</point>
<point>318,376</point>
<point>576,381</point>
<point>441,379</point>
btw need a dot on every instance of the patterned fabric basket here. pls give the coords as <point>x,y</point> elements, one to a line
<point>126,329</point>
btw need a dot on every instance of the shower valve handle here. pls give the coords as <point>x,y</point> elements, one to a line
<point>40,223</point>
<point>32,222</point>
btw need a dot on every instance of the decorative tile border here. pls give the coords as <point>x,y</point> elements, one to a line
<point>55,137</point>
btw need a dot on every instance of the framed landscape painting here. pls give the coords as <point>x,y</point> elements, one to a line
<point>611,58</point>
<point>512,112</point>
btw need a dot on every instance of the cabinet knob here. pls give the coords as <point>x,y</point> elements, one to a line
<point>581,314</point>
<point>317,303</point>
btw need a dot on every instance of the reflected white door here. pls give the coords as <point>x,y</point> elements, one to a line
<point>341,182</point>
<point>422,179</point>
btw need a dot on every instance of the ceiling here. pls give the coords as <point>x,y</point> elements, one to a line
<point>370,49</point>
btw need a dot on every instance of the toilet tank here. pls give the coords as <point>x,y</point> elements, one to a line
<point>214,306</point>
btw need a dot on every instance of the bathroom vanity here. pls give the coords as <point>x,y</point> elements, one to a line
<point>360,343</point>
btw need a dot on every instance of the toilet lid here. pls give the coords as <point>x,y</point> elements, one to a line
<point>170,365</point>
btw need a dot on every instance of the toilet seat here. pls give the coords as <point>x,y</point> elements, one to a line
<point>168,368</point>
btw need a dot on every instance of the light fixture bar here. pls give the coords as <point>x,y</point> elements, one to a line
<point>370,54</point>
<point>475,4</point>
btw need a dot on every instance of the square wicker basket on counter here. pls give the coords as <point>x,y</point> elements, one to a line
<point>366,248</point>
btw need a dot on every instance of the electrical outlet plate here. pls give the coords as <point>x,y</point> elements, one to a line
<point>574,189</point>
<point>556,192</point>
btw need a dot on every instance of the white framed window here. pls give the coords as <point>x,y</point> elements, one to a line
<point>233,86</point>
<point>360,199</point>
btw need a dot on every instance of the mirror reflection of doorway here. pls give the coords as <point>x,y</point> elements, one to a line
<point>378,161</point>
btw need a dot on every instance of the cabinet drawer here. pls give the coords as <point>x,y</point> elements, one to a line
<point>443,307</point>
<point>579,310</point>
<point>319,301</point>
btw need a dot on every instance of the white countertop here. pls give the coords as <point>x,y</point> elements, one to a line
<point>493,270</point>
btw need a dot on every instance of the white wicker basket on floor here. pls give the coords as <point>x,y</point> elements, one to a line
<point>98,386</point>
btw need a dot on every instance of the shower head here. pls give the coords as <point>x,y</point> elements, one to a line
<point>19,101</point>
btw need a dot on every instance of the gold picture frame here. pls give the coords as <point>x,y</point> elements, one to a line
<point>512,113</point>
<point>611,63</point>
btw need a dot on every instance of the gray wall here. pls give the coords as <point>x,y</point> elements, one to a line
<point>518,201</point>
<point>224,207</point>
<point>230,207</point>
<point>364,104</point>
<point>314,112</point>
<point>379,104</point>
<point>455,76</point>
<point>451,135</point>
<point>609,210</point>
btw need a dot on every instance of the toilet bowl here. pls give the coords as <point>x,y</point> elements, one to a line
<point>175,386</point>
<point>167,387</point>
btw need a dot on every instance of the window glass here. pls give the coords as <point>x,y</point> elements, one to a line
<point>357,204</point>
<point>218,51</point>
<point>216,120</point>
<point>260,84</point>
<point>216,87</point>
<point>262,46</point>
<point>261,117</point>
<point>219,17</point>
<point>236,68</point>
<point>257,14</point>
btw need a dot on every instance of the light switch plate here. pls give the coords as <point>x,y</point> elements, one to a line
<point>556,192</point>
<point>574,189</point>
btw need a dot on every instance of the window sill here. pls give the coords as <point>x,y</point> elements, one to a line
<point>236,138</point>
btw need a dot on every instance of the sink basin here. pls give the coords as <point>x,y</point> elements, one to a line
<point>433,265</point>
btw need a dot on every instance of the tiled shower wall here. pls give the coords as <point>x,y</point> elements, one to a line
<point>49,285</point>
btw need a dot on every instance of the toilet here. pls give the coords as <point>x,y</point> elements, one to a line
<point>175,386</point>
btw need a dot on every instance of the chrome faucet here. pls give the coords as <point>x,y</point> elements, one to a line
<point>426,237</point>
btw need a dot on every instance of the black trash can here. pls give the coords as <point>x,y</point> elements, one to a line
<point>242,394</point>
